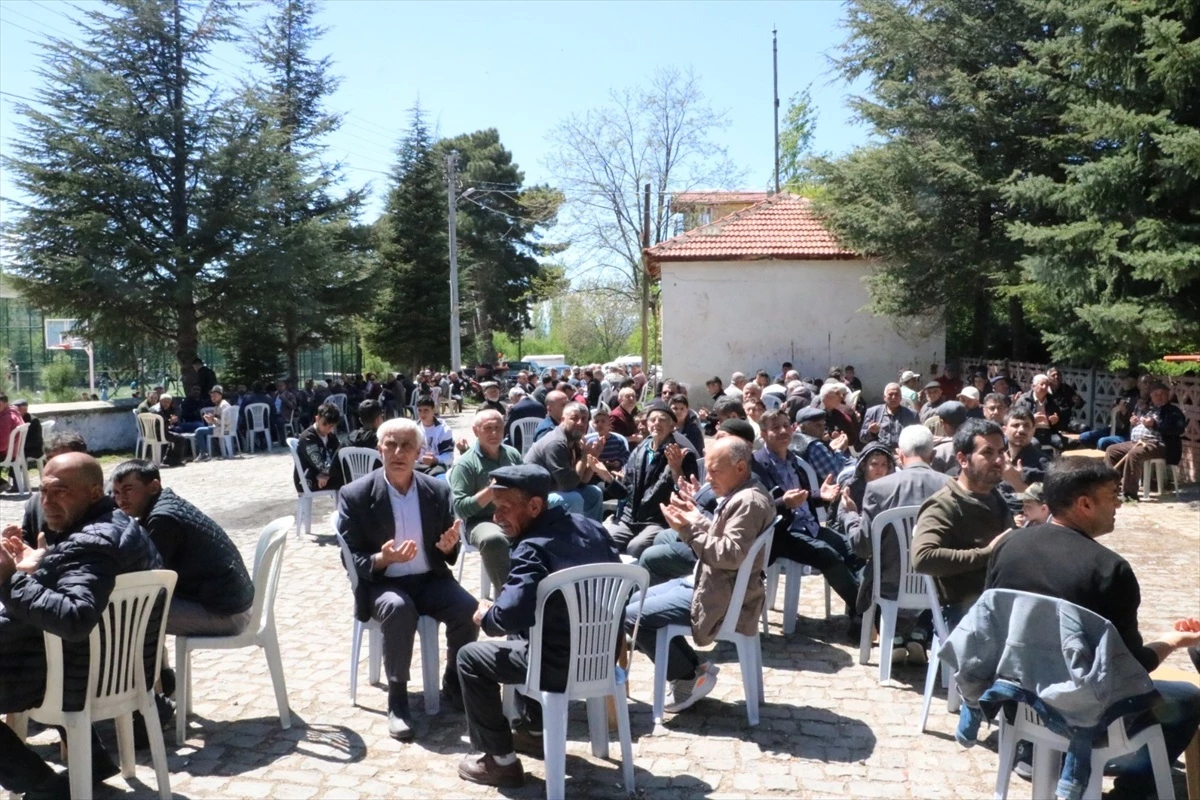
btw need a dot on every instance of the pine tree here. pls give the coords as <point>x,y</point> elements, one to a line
<point>500,227</point>
<point>953,122</point>
<point>1113,232</point>
<point>315,276</point>
<point>144,184</point>
<point>410,323</point>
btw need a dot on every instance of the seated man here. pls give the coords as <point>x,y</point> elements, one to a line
<point>33,438</point>
<point>33,522</point>
<point>1024,461</point>
<point>401,531</point>
<point>883,423</point>
<point>839,418</point>
<point>799,536</point>
<point>571,463</point>
<point>318,451</point>
<point>491,398</point>
<point>932,394</point>
<point>615,454</point>
<point>654,469</point>
<point>1157,433</point>
<point>437,452</point>
<point>1063,559</point>
<point>544,541</point>
<point>720,545</point>
<point>624,416</point>
<point>959,526</point>
<point>472,488</point>
<point>213,592</point>
<point>1048,418</point>
<point>179,447</point>
<point>556,401</point>
<point>808,443</point>
<point>995,407</point>
<point>370,417</point>
<point>211,420</point>
<point>61,586</point>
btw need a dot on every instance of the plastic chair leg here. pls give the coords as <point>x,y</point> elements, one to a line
<point>864,640</point>
<point>1157,747</point>
<point>661,646</point>
<point>124,725</point>
<point>828,600</point>
<point>79,756</point>
<point>1047,765</point>
<point>158,748</point>
<point>183,687</point>
<point>428,628</point>
<point>270,647</point>
<point>791,598</point>
<point>355,650</point>
<point>485,583</point>
<point>597,714</point>
<point>931,672</point>
<point>1006,749</point>
<point>887,633</point>
<point>626,738</point>
<point>374,655</point>
<point>554,740</point>
<point>749,665</point>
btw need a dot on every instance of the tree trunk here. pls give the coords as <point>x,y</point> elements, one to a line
<point>187,344</point>
<point>1016,324</point>
<point>981,323</point>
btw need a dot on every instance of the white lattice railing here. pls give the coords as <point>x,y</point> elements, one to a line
<point>1100,390</point>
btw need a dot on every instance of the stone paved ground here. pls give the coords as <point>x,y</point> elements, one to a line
<point>828,728</point>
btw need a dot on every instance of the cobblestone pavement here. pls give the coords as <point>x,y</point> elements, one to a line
<point>828,729</point>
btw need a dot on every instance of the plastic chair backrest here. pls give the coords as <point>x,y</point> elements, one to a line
<point>772,401</point>
<point>852,398</point>
<point>268,563</point>
<point>359,461</point>
<point>737,599</point>
<point>117,645</point>
<point>526,428</point>
<point>902,519</point>
<point>814,485</point>
<point>347,556</point>
<point>596,595</point>
<point>338,400</point>
<point>16,444</point>
<point>151,427</point>
<point>47,427</point>
<point>294,446</point>
<point>257,414</point>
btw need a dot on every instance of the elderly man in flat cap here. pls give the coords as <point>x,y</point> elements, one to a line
<point>491,397</point>
<point>545,540</point>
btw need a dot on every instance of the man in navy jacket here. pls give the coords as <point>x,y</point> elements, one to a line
<point>545,540</point>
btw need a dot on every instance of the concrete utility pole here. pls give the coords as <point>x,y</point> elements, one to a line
<point>775,66</point>
<point>646,283</point>
<point>452,213</point>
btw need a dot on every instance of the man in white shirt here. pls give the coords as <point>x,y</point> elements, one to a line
<point>401,531</point>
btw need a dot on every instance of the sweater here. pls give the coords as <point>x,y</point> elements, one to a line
<point>952,540</point>
<point>471,474</point>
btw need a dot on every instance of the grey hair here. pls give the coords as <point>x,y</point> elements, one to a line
<point>1039,378</point>
<point>830,388</point>
<point>916,440</point>
<point>515,393</point>
<point>577,407</point>
<point>735,449</point>
<point>401,427</point>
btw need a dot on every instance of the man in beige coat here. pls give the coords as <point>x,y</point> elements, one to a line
<point>720,544</point>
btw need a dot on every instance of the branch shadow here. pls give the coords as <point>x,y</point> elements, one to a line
<point>233,747</point>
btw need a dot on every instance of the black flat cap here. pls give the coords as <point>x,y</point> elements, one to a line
<point>810,414</point>
<point>529,478</point>
<point>932,385</point>
<point>660,407</point>
<point>739,428</point>
<point>953,412</point>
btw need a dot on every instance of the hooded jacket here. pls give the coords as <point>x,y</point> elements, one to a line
<point>858,484</point>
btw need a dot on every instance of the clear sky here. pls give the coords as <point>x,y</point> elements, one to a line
<point>521,66</point>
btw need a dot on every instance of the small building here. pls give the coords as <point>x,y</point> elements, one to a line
<point>770,283</point>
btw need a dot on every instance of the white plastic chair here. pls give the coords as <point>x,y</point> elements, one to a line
<point>40,461</point>
<point>358,461</point>
<point>257,415</point>
<point>772,401</point>
<point>116,685</point>
<point>1164,469</point>
<point>1048,748</point>
<point>913,594</point>
<point>852,398</point>
<point>526,428</point>
<point>427,630</point>
<point>793,571</point>
<point>259,631</point>
<point>15,457</point>
<point>305,500</point>
<point>596,596</point>
<point>339,400</point>
<point>486,590</point>
<point>749,648</point>
<point>153,435</point>
<point>225,432</point>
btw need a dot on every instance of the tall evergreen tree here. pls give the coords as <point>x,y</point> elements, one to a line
<point>500,226</point>
<point>1113,233</point>
<point>313,273</point>
<point>952,123</point>
<point>411,322</point>
<point>144,184</point>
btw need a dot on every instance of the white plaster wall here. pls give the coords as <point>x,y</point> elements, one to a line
<point>105,426</point>
<point>719,317</point>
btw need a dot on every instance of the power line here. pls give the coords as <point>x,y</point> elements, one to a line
<point>22,27</point>
<point>56,11</point>
<point>10,9</point>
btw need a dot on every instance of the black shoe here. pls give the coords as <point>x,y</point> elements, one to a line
<point>400,725</point>
<point>1023,761</point>
<point>166,677</point>
<point>528,743</point>
<point>166,713</point>
<point>854,630</point>
<point>454,698</point>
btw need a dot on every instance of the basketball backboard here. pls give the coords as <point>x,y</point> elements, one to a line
<point>61,334</point>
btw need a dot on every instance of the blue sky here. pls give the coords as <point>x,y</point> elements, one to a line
<point>522,66</point>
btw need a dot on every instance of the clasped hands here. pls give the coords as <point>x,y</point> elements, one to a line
<point>681,511</point>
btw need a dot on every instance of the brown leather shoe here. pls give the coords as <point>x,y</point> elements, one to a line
<point>528,743</point>
<point>484,769</point>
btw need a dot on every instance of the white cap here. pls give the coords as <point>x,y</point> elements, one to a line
<point>971,392</point>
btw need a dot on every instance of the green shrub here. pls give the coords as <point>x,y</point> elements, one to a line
<point>61,379</point>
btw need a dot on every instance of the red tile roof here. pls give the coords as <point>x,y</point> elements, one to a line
<point>781,227</point>
<point>716,198</point>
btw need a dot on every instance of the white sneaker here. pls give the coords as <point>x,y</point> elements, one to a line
<point>686,693</point>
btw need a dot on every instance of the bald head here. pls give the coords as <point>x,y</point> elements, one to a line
<point>555,402</point>
<point>71,484</point>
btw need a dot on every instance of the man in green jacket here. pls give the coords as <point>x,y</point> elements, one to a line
<point>471,485</point>
<point>959,525</point>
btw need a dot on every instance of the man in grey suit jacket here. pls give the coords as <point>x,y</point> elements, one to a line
<point>403,536</point>
<point>909,486</point>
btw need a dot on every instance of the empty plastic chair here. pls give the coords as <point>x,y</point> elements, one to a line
<point>257,417</point>
<point>358,461</point>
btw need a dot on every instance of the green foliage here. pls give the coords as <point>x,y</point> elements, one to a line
<point>1171,368</point>
<point>144,183</point>
<point>410,323</point>
<point>795,143</point>
<point>253,351</point>
<point>61,379</point>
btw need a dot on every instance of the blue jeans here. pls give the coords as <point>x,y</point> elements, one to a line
<point>666,604</point>
<point>667,558</point>
<point>1178,711</point>
<point>202,436</point>
<point>1108,441</point>
<point>585,500</point>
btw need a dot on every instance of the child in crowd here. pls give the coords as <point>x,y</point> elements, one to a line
<point>1033,510</point>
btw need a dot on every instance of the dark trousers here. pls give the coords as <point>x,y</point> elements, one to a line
<point>633,539</point>
<point>398,602</point>
<point>828,552</point>
<point>483,668</point>
<point>1131,475</point>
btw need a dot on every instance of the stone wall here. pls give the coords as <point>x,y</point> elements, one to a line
<point>105,426</point>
